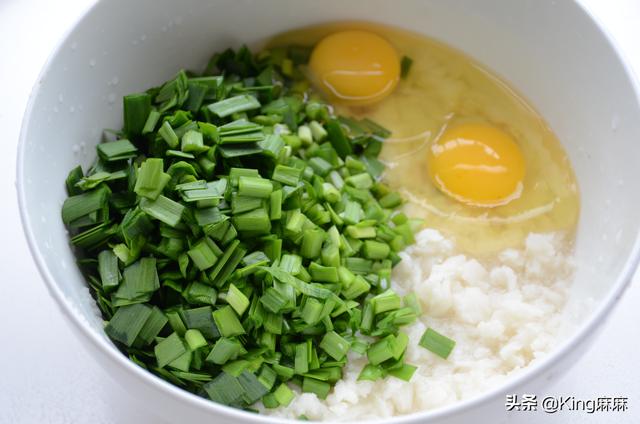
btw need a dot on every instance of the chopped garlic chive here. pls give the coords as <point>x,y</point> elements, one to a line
<point>227,322</point>
<point>238,301</point>
<point>151,178</point>
<point>381,350</point>
<point>371,372</point>
<point>405,66</point>
<point>335,345</point>
<point>108,270</point>
<point>194,338</point>
<point>169,349</point>
<point>245,266</point>
<point>136,110</point>
<point>127,322</point>
<point>163,209</point>
<point>192,141</point>
<point>405,372</point>
<point>287,175</point>
<point>231,105</point>
<point>437,343</point>
<point>224,350</point>
<point>254,187</point>
<point>168,135</point>
<point>284,395</point>
<point>320,388</point>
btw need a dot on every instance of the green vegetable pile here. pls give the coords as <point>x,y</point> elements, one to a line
<point>237,237</point>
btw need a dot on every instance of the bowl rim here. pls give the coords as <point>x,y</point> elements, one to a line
<point>596,318</point>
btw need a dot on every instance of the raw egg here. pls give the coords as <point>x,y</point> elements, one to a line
<point>468,153</point>
<point>477,164</point>
<point>355,67</point>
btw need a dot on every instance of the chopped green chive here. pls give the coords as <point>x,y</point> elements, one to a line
<point>381,350</point>
<point>405,372</point>
<point>387,301</point>
<point>192,141</point>
<point>194,338</point>
<point>204,254</point>
<point>338,139</point>
<point>136,110</point>
<point>326,274</point>
<point>151,178</point>
<point>320,388</point>
<point>152,327</point>
<point>108,270</point>
<point>254,187</point>
<point>312,240</point>
<point>375,249</point>
<point>284,395</point>
<point>371,372</point>
<point>224,389</point>
<point>238,301</point>
<point>227,322</point>
<point>335,345</point>
<point>224,350</point>
<point>82,205</point>
<point>168,135</point>
<point>437,343</point>
<point>169,349</point>
<point>256,221</point>
<point>163,209</point>
<point>127,323</point>
<point>302,358</point>
<point>405,66</point>
<point>237,235</point>
<point>232,105</point>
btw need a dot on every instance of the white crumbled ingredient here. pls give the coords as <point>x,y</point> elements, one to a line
<point>503,314</point>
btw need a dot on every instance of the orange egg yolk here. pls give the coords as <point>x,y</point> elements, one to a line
<point>355,67</point>
<point>477,164</point>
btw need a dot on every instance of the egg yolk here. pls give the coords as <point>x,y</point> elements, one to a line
<point>477,164</point>
<point>355,67</point>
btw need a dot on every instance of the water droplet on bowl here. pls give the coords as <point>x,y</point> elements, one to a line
<point>92,63</point>
<point>163,29</point>
<point>111,98</point>
<point>115,80</point>
<point>143,37</point>
<point>55,109</point>
<point>43,219</point>
<point>74,45</point>
<point>60,98</point>
<point>615,123</point>
<point>72,109</point>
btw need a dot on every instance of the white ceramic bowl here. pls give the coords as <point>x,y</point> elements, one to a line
<point>553,52</point>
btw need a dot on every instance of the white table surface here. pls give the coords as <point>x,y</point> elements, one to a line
<point>45,374</point>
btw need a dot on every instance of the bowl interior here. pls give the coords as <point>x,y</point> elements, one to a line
<point>552,52</point>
